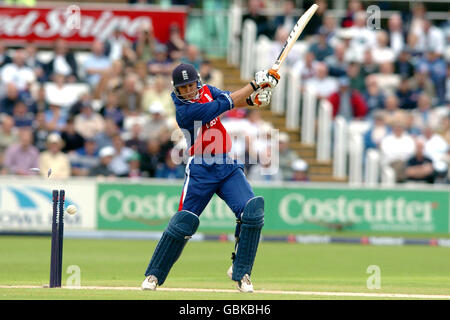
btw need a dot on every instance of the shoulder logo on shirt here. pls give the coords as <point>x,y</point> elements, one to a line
<point>208,97</point>
<point>184,74</point>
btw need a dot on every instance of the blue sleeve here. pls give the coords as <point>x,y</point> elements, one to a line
<point>205,112</point>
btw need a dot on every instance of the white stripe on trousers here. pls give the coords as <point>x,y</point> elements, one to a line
<point>187,179</point>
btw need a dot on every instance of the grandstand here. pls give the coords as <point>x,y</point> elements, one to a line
<point>322,130</point>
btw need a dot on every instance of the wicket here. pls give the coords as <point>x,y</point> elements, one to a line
<point>57,238</point>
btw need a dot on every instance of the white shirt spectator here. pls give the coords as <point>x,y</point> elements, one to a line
<point>381,55</point>
<point>433,39</point>
<point>61,96</point>
<point>435,148</point>
<point>61,66</point>
<point>20,76</point>
<point>395,148</point>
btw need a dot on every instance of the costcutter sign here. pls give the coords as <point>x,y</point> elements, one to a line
<point>80,25</point>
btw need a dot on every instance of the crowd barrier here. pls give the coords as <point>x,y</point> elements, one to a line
<point>147,205</point>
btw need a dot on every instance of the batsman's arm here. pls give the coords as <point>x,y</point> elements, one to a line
<point>240,96</point>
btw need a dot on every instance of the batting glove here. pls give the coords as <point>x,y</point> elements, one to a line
<point>260,98</point>
<point>267,78</point>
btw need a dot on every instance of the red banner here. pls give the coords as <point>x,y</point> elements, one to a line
<point>80,25</point>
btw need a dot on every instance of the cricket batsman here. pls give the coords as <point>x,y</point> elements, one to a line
<point>210,170</point>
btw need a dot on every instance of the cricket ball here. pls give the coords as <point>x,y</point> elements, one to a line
<point>71,209</point>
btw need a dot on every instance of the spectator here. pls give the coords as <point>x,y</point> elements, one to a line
<point>71,138</point>
<point>329,24</point>
<point>287,156</point>
<point>55,118</point>
<point>40,104</point>
<point>119,164</point>
<point>89,123</point>
<point>18,72</point>
<point>287,19</point>
<point>391,108</point>
<point>54,158</point>
<point>32,62</point>
<point>316,21</point>
<point>423,115</point>
<point>158,91</point>
<point>169,169</point>
<point>306,68</point>
<point>40,131</point>
<point>337,63</point>
<point>444,128</point>
<point>20,157</point>
<point>4,57</point>
<point>402,66</point>
<point>377,132</point>
<point>156,123</point>
<point>430,37</point>
<point>356,76</point>
<point>354,6</point>
<point>413,48</point>
<point>387,80</point>
<point>104,138</point>
<point>134,164</point>
<point>22,117</point>
<point>321,48</point>
<point>396,148</point>
<point>115,44</point>
<point>362,38</point>
<point>151,157</point>
<point>10,99</point>
<point>160,64</point>
<point>437,71</point>
<point>299,171</point>
<point>262,22</point>
<point>192,56</point>
<point>145,42</point>
<point>63,62</point>
<point>96,64</point>
<point>103,168</point>
<point>8,135</point>
<point>368,65</point>
<point>396,34</point>
<point>321,84</point>
<point>372,95</point>
<point>346,102</point>
<point>130,96</point>
<point>83,99</point>
<point>421,83</point>
<point>176,44</point>
<point>407,97</point>
<point>209,75</point>
<point>435,148</point>
<point>419,168</point>
<point>59,92</point>
<point>84,159</point>
<point>111,109</point>
<point>382,52</point>
<point>133,137</point>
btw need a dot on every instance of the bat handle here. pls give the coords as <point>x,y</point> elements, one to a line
<point>274,73</point>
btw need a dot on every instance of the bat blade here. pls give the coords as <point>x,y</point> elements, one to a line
<point>293,36</point>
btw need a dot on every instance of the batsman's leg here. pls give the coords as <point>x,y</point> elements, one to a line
<point>180,229</point>
<point>251,223</point>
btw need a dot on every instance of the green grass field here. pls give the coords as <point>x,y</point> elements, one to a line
<point>279,266</point>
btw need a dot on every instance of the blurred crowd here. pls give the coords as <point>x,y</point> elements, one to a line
<point>122,125</point>
<point>396,77</point>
